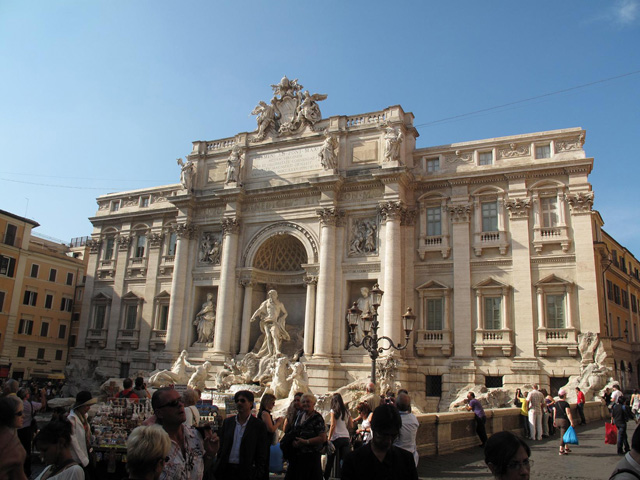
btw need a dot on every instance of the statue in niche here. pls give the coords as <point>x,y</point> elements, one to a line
<point>267,117</point>
<point>210,249</point>
<point>392,141</point>
<point>272,315</point>
<point>327,154</point>
<point>364,304</point>
<point>363,237</point>
<point>308,109</point>
<point>187,171</point>
<point>234,163</point>
<point>177,375</point>
<point>205,321</point>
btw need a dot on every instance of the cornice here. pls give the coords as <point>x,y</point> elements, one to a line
<point>568,259</point>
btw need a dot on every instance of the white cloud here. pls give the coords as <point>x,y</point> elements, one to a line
<point>626,11</point>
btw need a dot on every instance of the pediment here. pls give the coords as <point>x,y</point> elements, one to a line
<point>131,296</point>
<point>432,285</point>
<point>552,280</point>
<point>490,283</point>
<point>101,297</point>
<point>162,295</point>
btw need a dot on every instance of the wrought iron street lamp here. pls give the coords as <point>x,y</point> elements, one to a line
<point>369,324</point>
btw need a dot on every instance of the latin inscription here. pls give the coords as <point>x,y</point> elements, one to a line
<point>285,162</point>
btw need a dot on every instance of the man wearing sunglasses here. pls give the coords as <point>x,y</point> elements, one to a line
<point>190,454</point>
<point>244,446</point>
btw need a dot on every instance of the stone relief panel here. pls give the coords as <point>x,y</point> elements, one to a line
<point>363,152</point>
<point>459,157</point>
<point>570,144</point>
<point>363,237</point>
<point>514,151</point>
<point>210,248</point>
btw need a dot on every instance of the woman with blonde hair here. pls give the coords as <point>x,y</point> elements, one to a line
<point>147,451</point>
<point>310,436</point>
<point>189,399</point>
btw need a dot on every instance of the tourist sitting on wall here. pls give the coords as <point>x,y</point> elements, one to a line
<point>407,438</point>
<point>54,444</point>
<point>191,454</point>
<point>243,438</point>
<point>380,459</point>
<point>507,456</point>
<point>147,451</point>
<point>13,454</point>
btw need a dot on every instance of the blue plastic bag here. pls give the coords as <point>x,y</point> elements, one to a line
<point>275,459</point>
<point>570,437</point>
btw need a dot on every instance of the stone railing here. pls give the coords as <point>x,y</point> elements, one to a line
<point>218,144</point>
<point>366,120</point>
<point>498,239</point>
<point>434,243</point>
<point>433,342</point>
<point>442,433</point>
<point>493,339</point>
<point>557,337</point>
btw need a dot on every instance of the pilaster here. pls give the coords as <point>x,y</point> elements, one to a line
<point>462,312</point>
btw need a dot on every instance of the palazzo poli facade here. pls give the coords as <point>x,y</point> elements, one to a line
<point>490,242</point>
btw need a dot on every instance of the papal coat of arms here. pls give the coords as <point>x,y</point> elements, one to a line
<point>289,111</point>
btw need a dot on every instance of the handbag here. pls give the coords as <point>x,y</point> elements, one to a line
<point>610,434</point>
<point>328,448</point>
<point>570,437</point>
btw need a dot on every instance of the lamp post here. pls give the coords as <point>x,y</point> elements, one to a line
<point>369,324</point>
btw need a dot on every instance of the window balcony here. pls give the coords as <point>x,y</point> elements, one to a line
<point>137,267</point>
<point>128,339</point>
<point>166,264</point>
<point>158,339</point>
<point>563,339</point>
<point>551,236</point>
<point>433,343</point>
<point>96,337</point>
<point>434,243</point>
<point>484,240</point>
<point>494,339</point>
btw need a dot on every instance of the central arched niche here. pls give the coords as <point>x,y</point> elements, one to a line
<point>277,265</point>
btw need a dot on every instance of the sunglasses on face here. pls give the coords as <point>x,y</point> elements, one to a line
<point>173,404</point>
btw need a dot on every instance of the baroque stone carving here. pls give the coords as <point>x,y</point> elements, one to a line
<point>310,280</point>
<point>392,141</point>
<point>186,230</point>
<point>94,245</point>
<point>272,315</point>
<point>155,239</point>
<point>580,202</point>
<point>124,240</point>
<point>459,213</point>
<point>230,226</point>
<point>178,374</point>
<point>327,154</point>
<point>571,144</point>
<point>364,237</point>
<point>187,172</point>
<point>391,210</point>
<point>518,207</point>
<point>409,217</point>
<point>210,249</point>
<point>205,322</point>
<point>289,111</point>
<point>330,216</point>
<point>234,165</point>
<point>459,156</point>
<point>514,151</point>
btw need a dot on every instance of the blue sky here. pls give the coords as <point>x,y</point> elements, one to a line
<point>103,96</point>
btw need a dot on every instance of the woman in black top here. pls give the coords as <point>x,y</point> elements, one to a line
<point>562,419</point>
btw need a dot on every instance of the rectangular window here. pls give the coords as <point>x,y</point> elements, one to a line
<point>22,351</point>
<point>164,317</point>
<point>66,305</point>
<point>144,202</point>
<point>626,329</point>
<point>100,312</point>
<point>131,317</point>
<point>492,315</point>
<point>52,274</point>
<point>7,266</point>
<point>434,221</point>
<point>44,329</point>
<point>10,235</point>
<point>433,165</point>
<point>25,327</point>
<point>34,271</point>
<point>625,299</point>
<point>62,331</point>
<point>30,298</point>
<point>619,328</point>
<point>58,354</point>
<point>141,241</point>
<point>48,300</point>
<point>124,370</point>
<point>107,253</point>
<point>1,301</point>
<point>493,382</point>
<point>115,205</point>
<point>434,385</point>
<point>40,355</point>
<point>69,278</point>
<point>171,250</point>
<point>549,207</point>
<point>609,290</point>
<point>616,294</point>
<point>434,314</point>
<point>485,158</point>
<point>490,216</point>
<point>555,311</point>
<point>543,151</point>
<point>634,303</point>
<point>72,341</point>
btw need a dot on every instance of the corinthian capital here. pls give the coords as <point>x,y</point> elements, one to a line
<point>155,239</point>
<point>392,210</point>
<point>124,240</point>
<point>230,226</point>
<point>330,216</point>
<point>580,202</point>
<point>94,245</point>
<point>460,213</point>
<point>186,230</point>
<point>518,207</point>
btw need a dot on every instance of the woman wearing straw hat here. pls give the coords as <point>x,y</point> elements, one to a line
<point>81,434</point>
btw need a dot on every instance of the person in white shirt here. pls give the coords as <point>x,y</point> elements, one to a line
<point>407,437</point>
<point>536,404</point>
<point>616,394</point>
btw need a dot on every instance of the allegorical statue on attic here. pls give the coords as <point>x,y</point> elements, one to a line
<point>234,163</point>
<point>327,154</point>
<point>392,141</point>
<point>289,111</point>
<point>187,171</point>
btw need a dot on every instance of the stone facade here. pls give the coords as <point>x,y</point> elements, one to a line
<point>490,242</point>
